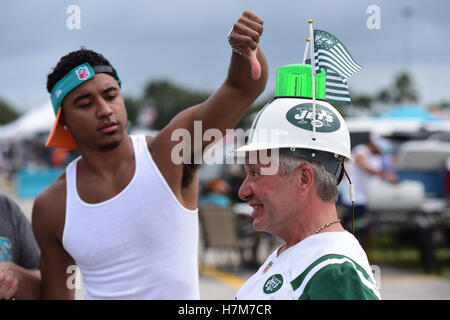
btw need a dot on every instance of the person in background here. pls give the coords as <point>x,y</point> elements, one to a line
<point>216,193</point>
<point>20,277</point>
<point>368,163</point>
<point>59,157</point>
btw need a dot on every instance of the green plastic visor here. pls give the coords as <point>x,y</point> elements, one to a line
<point>295,80</point>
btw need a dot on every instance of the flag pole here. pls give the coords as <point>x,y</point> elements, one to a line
<point>313,69</point>
<point>306,50</point>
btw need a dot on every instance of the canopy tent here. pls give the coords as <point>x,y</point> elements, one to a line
<point>34,121</point>
<point>410,112</point>
<point>402,118</point>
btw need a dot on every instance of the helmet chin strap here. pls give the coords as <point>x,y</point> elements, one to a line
<point>331,162</point>
<point>352,199</point>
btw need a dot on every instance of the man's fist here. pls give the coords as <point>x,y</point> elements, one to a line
<point>245,37</point>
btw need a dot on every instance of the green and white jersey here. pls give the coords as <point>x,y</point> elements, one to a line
<point>330,265</point>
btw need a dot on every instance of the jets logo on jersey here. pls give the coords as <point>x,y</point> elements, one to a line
<point>273,284</point>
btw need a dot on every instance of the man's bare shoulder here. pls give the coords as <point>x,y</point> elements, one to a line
<point>54,192</point>
<point>50,204</point>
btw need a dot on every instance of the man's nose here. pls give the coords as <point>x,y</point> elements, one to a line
<point>245,191</point>
<point>103,108</point>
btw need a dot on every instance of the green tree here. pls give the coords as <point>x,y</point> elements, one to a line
<point>342,109</point>
<point>7,113</point>
<point>384,96</point>
<point>169,99</point>
<point>362,100</point>
<point>404,88</point>
<point>133,105</point>
<point>247,119</point>
<point>444,105</point>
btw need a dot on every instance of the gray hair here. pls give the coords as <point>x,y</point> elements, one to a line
<point>325,182</point>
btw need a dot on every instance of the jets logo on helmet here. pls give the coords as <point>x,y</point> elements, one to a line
<point>302,116</point>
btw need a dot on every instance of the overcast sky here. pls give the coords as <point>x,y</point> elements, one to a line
<point>185,41</point>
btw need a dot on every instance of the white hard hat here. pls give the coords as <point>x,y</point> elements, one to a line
<point>286,123</point>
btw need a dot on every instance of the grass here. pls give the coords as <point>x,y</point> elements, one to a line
<point>391,250</point>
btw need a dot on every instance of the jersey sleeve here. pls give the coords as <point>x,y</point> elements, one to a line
<point>340,281</point>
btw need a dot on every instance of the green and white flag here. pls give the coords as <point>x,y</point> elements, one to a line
<point>331,54</point>
<point>336,89</point>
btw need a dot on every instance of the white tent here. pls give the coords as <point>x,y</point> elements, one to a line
<point>402,118</point>
<point>32,122</point>
<point>389,126</point>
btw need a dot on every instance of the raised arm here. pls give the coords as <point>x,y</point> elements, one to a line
<point>224,108</point>
<point>246,80</point>
<point>364,163</point>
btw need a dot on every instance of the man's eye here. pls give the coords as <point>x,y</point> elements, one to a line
<point>85,105</point>
<point>109,98</point>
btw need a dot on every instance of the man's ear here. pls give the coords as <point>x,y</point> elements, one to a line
<point>306,176</point>
<point>62,119</point>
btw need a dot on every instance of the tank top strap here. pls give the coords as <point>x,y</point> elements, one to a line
<point>71,179</point>
<point>140,148</point>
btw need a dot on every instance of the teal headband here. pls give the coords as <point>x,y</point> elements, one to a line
<point>76,77</point>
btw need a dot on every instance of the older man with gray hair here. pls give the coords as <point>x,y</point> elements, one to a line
<point>296,202</point>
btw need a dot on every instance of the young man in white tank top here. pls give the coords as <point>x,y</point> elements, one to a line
<point>124,212</point>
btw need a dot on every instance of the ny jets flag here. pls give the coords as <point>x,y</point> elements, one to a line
<point>336,89</point>
<point>330,54</point>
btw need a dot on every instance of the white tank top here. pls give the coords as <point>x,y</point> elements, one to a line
<point>140,244</point>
